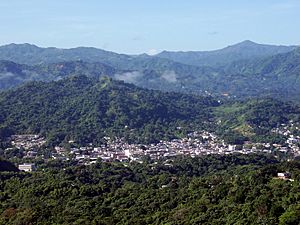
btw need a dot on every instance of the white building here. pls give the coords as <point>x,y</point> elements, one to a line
<point>231,147</point>
<point>27,167</point>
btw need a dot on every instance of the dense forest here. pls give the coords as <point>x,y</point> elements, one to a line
<point>232,189</point>
<point>85,110</point>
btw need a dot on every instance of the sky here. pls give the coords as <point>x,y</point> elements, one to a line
<point>149,26</point>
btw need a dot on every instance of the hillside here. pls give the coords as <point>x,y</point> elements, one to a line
<point>47,64</point>
<point>254,119</point>
<point>277,65</point>
<point>86,110</point>
<point>32,54</point>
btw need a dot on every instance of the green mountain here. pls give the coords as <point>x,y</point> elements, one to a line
<point>276,76</point>
<point>86,109</point>
<point>31,54</point>
<point>279,65</point>
<point>142,70</point>
<point>241,51</point>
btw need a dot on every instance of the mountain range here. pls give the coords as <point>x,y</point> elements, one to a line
<point>239,71</point>
<point>32,54</point>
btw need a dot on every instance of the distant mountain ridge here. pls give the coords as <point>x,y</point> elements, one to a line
<point>241,51</point>
<point>32,54</point>
<point>248,69</point>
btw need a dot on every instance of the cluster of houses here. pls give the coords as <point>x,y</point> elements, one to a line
<point>30,143</point>
<point>195,144</point>
<point>292,133</point>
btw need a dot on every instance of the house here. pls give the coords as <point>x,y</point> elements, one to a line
<point>27,167</point>
<point>231,147</point>
<point>284,176</point>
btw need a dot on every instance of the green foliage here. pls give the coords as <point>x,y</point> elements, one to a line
<point>254,119</point>
<point>234,189</point>
<point>290,217</point>
<point>276,76</point>
<point>86,110</point>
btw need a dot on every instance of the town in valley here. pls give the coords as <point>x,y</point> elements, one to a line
<point>196,144</point>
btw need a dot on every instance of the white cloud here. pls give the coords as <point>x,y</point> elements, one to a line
<point>169,76</point>
<point>152,52</point>
<point>129,77</point>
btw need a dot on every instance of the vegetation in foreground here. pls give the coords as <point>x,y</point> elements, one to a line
<point>235,189</point>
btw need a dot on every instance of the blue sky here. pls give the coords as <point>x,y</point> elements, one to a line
<point>137,26</point>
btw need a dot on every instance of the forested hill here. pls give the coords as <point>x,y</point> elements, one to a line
<point>254,119</point>
<point>86,109</point>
